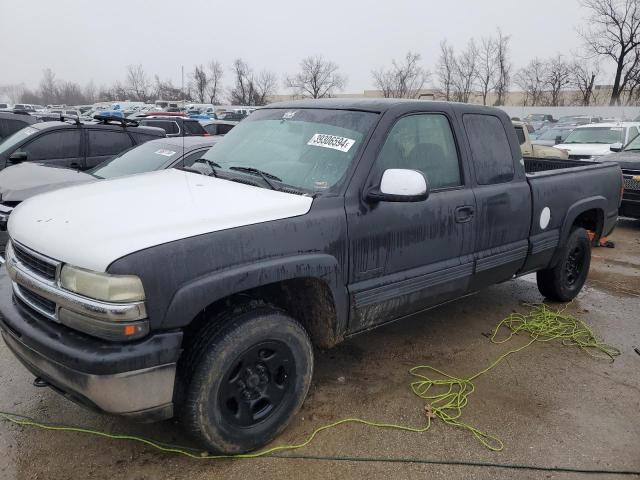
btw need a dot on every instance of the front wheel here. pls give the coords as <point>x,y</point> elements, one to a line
<point>248,379</point>
<point>564,281</point>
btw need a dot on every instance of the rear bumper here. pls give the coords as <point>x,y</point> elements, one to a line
<point>135,379</point>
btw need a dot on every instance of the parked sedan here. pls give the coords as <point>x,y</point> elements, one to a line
<point>19,182</point>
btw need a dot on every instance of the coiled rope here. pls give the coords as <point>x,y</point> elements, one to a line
<point>446,395</point>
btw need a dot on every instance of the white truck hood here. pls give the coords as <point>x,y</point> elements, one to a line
<point>585,148</point>
<point>92,225</point>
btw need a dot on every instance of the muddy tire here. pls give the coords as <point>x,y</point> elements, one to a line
<point>249,374</point>
<point>564,281</point>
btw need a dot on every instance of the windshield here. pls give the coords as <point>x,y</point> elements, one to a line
<point>552,133</point>
<point>634,144</point>
<point>605,135</point>
<point>309,149</point>
<point>143,158</point>
<point>16,138</point>
<point>535,117</point>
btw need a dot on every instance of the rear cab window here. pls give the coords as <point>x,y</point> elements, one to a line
<point>490,148</point>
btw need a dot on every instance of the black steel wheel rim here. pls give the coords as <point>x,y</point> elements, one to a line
<point>574,264</point>
<point>257,383</point>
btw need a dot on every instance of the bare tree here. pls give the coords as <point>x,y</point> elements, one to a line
<point>265,86</point>
<point>242,91</point>
<point>531,80</point>
<point>317,78</point>
<point>49,87</point>
<point>557,78</point>
<point>251,90</point>
<point>199,83</point>
<point>583,77</point>
<point>465,72</point>
<point>504,68</point>
<point>138,84</point>
<point>614,33</point>
<point>488,72</point>
<point>215,82</point>
<point>402,80</point>
<point>444,70</point>
<point>89,92</point>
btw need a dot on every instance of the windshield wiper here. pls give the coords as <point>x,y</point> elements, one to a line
<point>265,175</point>
<point>213,165</point>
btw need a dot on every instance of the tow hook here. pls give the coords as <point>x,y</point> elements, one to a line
<point>40,383</point>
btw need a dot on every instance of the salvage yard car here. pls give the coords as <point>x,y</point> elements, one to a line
<point>73,144</point>
<point>529,149</point>
<point>19,182</point>
<point>177,293</point>
<point>590,142</point>
<point>629,161</point>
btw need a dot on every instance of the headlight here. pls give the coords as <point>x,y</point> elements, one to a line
<point>594,157</point>
<point>102,286</point>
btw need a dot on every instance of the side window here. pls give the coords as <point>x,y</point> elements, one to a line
<point>193,128</point>
<point>211,129</point>
<point>190,158</point>
<point>422,142</point>
<point>142,138</point>
<point>168,126</point>
<point>223,128</point>
<point>107,142</point>
<point>490,148</point>
<point>520,133</point>
<point>60,144</point>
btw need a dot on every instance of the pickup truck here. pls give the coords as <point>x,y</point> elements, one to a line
<point>202,295</point>
<point>530,149</point>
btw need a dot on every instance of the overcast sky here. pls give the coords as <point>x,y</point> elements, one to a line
<point>84,40</point>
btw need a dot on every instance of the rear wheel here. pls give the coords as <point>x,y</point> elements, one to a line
<point>564,281</point>
<point>249,377</point>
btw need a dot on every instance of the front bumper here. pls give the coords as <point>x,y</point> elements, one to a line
<point>135,379</point>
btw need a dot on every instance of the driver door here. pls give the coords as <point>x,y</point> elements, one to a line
<point>408,256</point>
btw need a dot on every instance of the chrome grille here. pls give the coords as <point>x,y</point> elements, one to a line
<point>36,300</point>
<point>37,263</point>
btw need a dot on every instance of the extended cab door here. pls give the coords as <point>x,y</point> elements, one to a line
<point>405,257</point>
<point>503,198</point>
<point>103,144</point>
<point>56,147</point>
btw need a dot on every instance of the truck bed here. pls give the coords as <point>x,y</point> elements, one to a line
<point>559,188</point>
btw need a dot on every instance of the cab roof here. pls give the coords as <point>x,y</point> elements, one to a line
<point>379,105</point>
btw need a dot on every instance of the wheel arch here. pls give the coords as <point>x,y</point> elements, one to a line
<point>588,213</point>
<point>308,287</point>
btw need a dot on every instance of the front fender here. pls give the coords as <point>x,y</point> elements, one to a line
<point>192,297</point>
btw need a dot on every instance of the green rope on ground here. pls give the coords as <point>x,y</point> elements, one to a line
<point>446,395</point>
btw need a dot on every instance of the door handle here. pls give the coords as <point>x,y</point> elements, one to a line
<point>75,165</point>
<point>464,213</point>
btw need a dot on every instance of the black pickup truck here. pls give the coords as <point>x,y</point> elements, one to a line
<point>202,295</point>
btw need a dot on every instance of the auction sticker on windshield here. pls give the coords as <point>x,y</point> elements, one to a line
<point>331,141</point>
<point>166,153</point>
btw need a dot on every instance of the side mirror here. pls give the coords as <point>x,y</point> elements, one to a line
<point>558,139</point>
<point>400,185</point>
<point>17,157</point>
<point>616,147</point>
